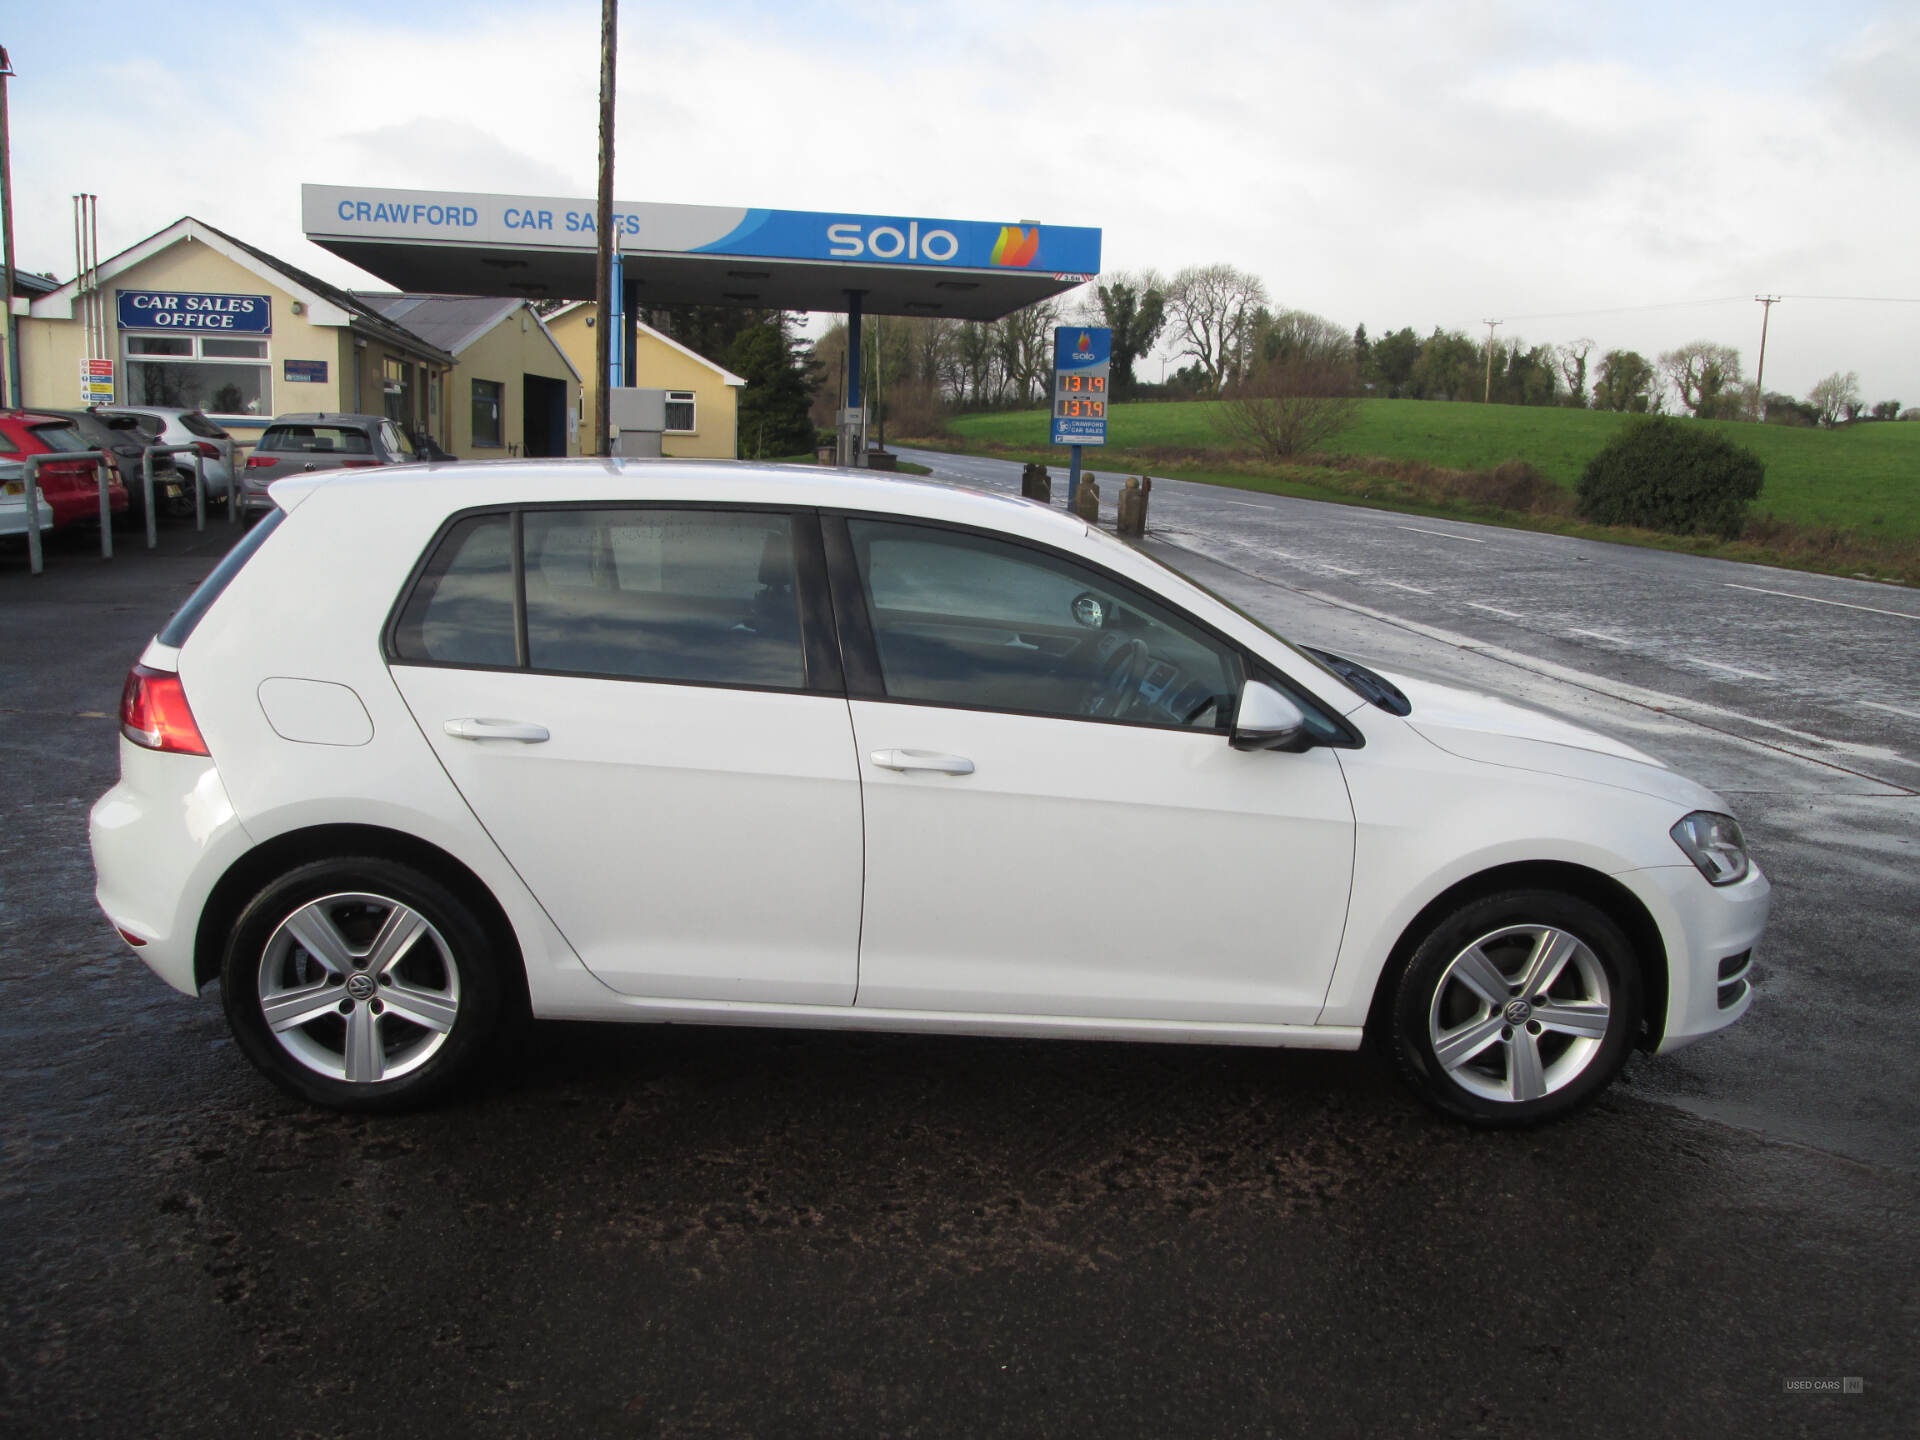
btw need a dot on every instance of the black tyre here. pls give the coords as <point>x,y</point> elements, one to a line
<point>1516,1008</point>
<point>361,984</point>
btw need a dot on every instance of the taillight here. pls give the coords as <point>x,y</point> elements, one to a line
<point>260,462</point>
<point>207,448</point>
<point>154,713</point>
<point>359,464</point>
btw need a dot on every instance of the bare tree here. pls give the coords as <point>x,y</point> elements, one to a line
<point>1298,391</point>
<point>1836,398</point>
<point>1571,358</point>
<point>976,352</point>
<point>1702,372</point>
<point>1211,311</point>
<point>1026,349</point>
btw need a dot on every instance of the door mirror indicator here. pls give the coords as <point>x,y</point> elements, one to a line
<point>1268,720</point>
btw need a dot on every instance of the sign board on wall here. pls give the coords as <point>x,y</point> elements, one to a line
<point>1082,367</point>
<point>195,310</point>
<point>313,372</point>
<point>96,382</point>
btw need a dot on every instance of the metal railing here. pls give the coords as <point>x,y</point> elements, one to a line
<point>103,475</point>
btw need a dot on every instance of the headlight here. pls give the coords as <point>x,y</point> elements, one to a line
<point>1715,844</point>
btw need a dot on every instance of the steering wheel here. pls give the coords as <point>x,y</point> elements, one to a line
<point>1120,662</point>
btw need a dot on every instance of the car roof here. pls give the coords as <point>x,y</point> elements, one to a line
<point>439,490</point>
<point>328,417</point>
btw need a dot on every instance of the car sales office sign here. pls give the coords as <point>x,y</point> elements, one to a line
<point>1082,366</point>
<point>197,311</point>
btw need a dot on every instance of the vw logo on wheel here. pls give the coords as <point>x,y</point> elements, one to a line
<point>361,985</point>
<point>1518,1012</point>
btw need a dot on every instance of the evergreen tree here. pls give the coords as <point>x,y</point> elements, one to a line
<point>781,376</point>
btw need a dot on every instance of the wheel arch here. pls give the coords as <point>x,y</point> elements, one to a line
<point>246,875</point>
<point>1597,889</point>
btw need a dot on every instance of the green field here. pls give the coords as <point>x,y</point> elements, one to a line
<point>1864,478</point>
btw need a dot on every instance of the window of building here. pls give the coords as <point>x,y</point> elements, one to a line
<point>218,374</point>
<point>396,380</point>
<point>487,402</point>
<point>680,412</point>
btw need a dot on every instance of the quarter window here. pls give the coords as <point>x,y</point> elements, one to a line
<point>461,611</point>
<point>965,620</point>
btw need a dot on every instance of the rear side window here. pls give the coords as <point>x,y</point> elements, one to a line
<point>697,595</point>
<point>188,616</point>
<point>461,609</point>
<point>316,440</point>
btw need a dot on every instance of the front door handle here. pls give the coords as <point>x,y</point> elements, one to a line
<point>473,728</point>
<point>922,760</point>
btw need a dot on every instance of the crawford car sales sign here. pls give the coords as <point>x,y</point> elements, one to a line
<point>195,310</point>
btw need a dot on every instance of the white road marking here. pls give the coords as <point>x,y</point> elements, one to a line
<point>1610,639</point>
<point>1893,709</point>
<point>1730,669</point>
<point>1338,569</point>
<point>1415,589</point>
<point>1815,599</point>
<point>1443,534</point>
<point>1496,610</point>
<point>1246,504</point>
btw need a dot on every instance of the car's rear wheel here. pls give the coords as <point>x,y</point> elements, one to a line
<point>1516,1008</point>
<point>360,983</point>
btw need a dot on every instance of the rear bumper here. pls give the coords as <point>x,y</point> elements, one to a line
<point>161,839</point>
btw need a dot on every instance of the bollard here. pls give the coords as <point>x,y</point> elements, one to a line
<point>1036,484</point>
<point>103,477</point>
<point>35,560</point>
<point>146,490</point>
<point>1131,508</point>
<point>1086,500</point>
<point>199,490</point>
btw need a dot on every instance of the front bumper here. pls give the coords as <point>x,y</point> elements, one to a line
<point>1711,934</point>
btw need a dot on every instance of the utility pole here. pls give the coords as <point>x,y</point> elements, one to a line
<point>6,225</point>
<point>603,236</point>
<point>1767,302</point>
<point>1488,398</point>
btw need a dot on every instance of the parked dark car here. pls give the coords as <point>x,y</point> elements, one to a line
<point>293,444</point>
<point>122,437</point>
<point>69,487</point>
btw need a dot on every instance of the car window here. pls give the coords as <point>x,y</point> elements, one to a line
<point>7,447</point>
<point>461,609</point>
<point>197,424</point>
<point>316,440</point>
<point>60,437</point>
<point>963,619</point>
<point>396,442</point>
<point>654,594</point>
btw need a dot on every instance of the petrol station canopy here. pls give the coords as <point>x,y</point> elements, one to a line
<point>543,247</point>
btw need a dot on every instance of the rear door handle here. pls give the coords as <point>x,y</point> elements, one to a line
<point>474,728</point>
<point>922,760</point>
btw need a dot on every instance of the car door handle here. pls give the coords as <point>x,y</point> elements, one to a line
<point>922,760</point>
<point>473,728</point>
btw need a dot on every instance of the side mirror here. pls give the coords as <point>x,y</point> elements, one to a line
<point>1268,720</point>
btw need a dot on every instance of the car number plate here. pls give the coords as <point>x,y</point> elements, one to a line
<point>14,487</point>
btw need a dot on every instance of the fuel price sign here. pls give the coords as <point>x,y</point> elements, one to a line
<point>1082,371</point>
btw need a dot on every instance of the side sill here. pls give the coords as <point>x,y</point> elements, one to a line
<point>644,1010</point>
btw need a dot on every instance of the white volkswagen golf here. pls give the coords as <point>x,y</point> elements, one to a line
<point>739,745</point>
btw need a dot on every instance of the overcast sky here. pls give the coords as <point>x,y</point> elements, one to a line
<point>1564,167</point>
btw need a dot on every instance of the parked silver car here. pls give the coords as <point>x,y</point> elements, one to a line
<point>320,441</point>
<point>171,425</point>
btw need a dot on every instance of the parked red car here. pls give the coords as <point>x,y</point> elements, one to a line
<point>70,487</point>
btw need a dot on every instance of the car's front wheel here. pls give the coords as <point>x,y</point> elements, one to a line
<point>1516,1008</point>
<point>360,983</point>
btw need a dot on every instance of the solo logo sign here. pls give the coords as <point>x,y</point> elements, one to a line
<point>849,240</point>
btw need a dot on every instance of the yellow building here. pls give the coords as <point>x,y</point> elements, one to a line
<point>702,409</point>
<point>193,317</point>
<point>513,391</point>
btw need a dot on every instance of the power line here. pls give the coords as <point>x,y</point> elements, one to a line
<point>1866,299</point>
<point>1629,309</point>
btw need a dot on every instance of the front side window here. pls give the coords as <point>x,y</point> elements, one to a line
<point>968,620</point>
<point>486,411</point>
<point>691,595</point>
<point>680,412</point>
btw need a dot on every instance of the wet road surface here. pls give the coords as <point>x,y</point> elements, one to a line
<point>687,1231</point>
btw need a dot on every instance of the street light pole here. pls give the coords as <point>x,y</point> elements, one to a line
<point>603,237</point>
